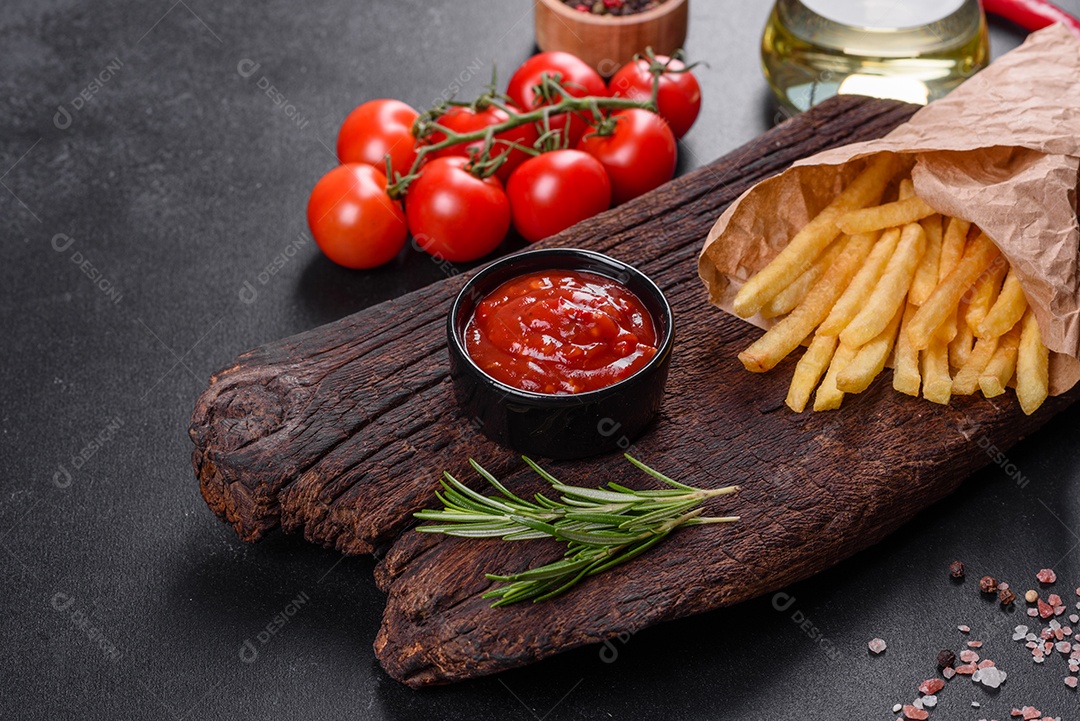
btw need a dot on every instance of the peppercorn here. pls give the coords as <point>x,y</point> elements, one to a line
<point>988,585</point>
<point>956,569</point>
<point>946,658</point>
<point>1006,596</point>
<point>1031,596</point>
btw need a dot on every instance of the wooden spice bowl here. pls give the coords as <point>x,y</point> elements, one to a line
<point>605,41</point>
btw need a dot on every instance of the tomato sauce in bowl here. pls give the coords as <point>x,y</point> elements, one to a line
<point>561,332</point>
<point>560,352</point>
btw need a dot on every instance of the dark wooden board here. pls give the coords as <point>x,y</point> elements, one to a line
<point>342,433</point>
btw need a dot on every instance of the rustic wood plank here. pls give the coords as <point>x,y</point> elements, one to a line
<point>308,432</point>
<point>342,432</point>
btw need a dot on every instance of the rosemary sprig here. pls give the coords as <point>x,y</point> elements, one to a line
<point>602,527</point>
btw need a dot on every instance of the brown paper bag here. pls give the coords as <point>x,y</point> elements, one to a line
<point>1001,151</point>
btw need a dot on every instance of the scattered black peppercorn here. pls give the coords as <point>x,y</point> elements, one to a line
<point>1006,596</point>
<point>946,658</point>
<point>956,569</point>
<point>988,585</point>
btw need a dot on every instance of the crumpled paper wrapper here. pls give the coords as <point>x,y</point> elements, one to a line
<point>1001,151</point>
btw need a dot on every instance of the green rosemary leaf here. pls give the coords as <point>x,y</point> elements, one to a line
<point>607,519</point>
<point>660,514</point>
<point>500,487</point>
<point>632,553</point>
<point>594,494</point>
<point>475,497</point>
<point>601,527</point>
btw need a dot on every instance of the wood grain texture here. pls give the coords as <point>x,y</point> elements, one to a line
<point>342,432</point>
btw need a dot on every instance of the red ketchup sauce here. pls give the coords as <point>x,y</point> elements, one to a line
<point>560,332</point>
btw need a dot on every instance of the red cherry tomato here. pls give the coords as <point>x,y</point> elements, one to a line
<point>576,76</point>
<point>454,214</point>
<point>638,156</point>
<point>353,220</point>
<point>467,120</point>
<point>376,128</point>
<point>551,192</point>
<point>679,99</point>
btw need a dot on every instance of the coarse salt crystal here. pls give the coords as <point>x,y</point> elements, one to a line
<point>877,645</point>
<point>975,704</point>
<point>986,663</point>
<point>969,656</point>
<point>931,686</point>
<point>1035,612</point>
<point>948,672</point>
<point>1030,712</point>
<point>1038,659</point>
<point>897,707</point>
<point>974,644</point>
<point>963,629</point>
<point>917,703</point>
<point>1045,609</point>
<point>1020,632</point>
<point>1070,681</point>
<point>929,701</point>
<point>916,714</point>
<point>1053,599</point>
<point>1046,575</point>
<point>1063,647</point>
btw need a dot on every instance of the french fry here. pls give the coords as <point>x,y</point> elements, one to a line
<point>906,189</point>
<point>1032,366</point>
<point>943,301</point>
<point>889,215</point>
<point>960,345</point>
<point>888,295</point>
<point>870,360</point>
<point>1007,309</point>
<point>808,371</point>
<point>952,250</point>
<point>999,371</point>
<point>862,285</point>
<point>967,379</point>
<point>926,276</point>
<point>768,350</point>
<point>791,296</point>
<point>866,189</point>
<point>952,246</point>
<point>985,292</point>
<point>828,396</point>
<point>937,384</point>
<point>906,377</point>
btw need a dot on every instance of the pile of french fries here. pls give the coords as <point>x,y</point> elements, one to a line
<point>867,281</point>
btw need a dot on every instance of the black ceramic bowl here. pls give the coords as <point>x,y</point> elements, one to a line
<point>560,426</point>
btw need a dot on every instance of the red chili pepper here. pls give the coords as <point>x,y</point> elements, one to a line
<point>1032,14</point>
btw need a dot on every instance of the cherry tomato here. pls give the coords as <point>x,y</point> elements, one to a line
<point>638,156</point>
<point>576,76</point>
<point>679,99</point>
<point>467,120</point>
<point>454,214</point>
<point>376,128</point>
<point>353,220</point>
<point>551,192</point>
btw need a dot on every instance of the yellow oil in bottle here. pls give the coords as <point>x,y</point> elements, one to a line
<point>915,50</point>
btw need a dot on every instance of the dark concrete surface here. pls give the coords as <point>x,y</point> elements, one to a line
<point>148,179</point>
